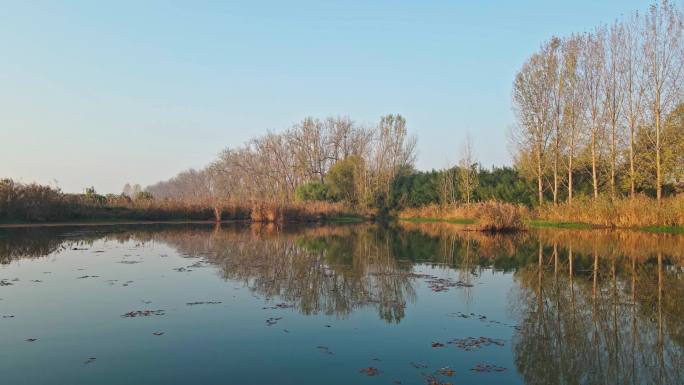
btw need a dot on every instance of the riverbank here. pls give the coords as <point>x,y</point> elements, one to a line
<point>110,222</point>
<point>469,223</point>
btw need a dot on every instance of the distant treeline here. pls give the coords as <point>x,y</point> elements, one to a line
<point>337,160</point>
<point>37,203</point>
<point>331,158</point>
<point>32,202</point>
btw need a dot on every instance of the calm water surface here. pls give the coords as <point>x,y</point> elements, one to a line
<point>352,304</point>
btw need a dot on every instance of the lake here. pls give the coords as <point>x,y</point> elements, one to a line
<point>405,303</point>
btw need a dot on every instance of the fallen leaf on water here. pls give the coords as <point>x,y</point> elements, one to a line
<point>446,371</point>
<point>370,371</point>
<point>471,343</point>
<point>324,349</point>
<point>487,368</point>
<point>142,313</point>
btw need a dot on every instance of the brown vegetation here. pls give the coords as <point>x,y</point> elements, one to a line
<point>639,211</point>
<point>297,212</point>
<point>486,216</point>
<point>36,203</point>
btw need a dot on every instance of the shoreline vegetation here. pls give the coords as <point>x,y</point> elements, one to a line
<point>639,213</point>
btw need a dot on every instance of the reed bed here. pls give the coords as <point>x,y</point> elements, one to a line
<point>640,211</point>
<point>482,216</point>
<point>275,212</point>
<point>37,203</point>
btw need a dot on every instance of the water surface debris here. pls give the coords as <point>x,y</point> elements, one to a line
<point>446,371</point>
<point>370,371</point>
<point>324,349</point>
<point>482,367</point>
<point>471,343</point>
<point>143,313</point>
<point>203,303</point>
<point>272,321</point>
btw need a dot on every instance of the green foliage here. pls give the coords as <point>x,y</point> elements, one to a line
<point>505,185</point>
<point>343,179</point>
<point>422,188</point>
<point>415,189</point>
<point>312,191</point>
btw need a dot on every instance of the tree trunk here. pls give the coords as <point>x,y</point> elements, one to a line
<point>593,163</point>
<point>632,175</point>
<point>217,214</point>
<point>570,176</point>
<point>613,155</point>
<point>659,181</point>
<point>555,171</point>
<point>539,178</point>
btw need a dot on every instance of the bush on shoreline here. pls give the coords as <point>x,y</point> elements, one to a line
<point>487,216</point>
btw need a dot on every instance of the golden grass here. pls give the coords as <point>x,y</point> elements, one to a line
<point>640,211</point>
<point>483,216</point>
<point>274,212</point>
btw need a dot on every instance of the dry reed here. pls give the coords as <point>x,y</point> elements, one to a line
<point>487,216</point>
<point>640,211</point>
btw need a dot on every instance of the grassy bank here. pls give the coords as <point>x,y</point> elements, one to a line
<point>640,212</point>
<point>536,223</point>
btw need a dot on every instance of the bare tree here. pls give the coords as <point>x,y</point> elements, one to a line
<point>592,62</point>
<point>468,171</point>
<point>394,150</point>
<point>554,65</point>
<point>663,61</point>
<point>533,107</point>
<point>613,101</point>
<point>632,83</point>
<point>573,104</point>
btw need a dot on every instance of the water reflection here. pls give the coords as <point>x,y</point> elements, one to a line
<point>592,307</point>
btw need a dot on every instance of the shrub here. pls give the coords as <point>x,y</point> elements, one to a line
<point>312,191</point>
<point>488,216</point>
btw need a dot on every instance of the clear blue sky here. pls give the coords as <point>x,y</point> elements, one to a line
<point>95,93</point>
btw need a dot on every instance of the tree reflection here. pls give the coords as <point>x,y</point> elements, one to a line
<point>330,270</point>
<point>617,322</point>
